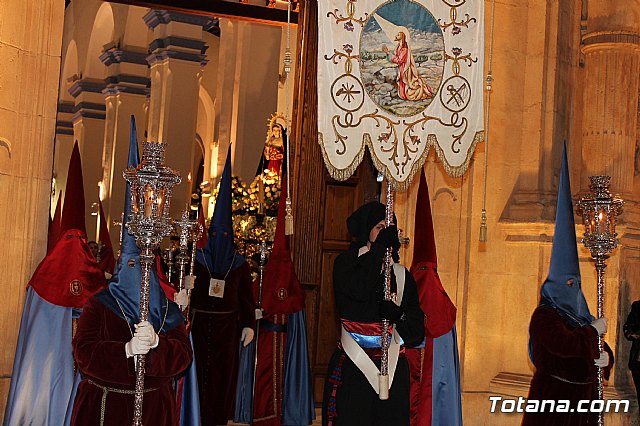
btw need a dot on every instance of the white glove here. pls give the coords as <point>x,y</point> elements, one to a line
<point>136,346</point>
<point>182,298</point>
<point>145,331</point>
<point>144,339</point>
<point>258,313</point>
<point>600,325</point>
<point>247,336</point>
<point>603,360</point>
<point>189,282</point>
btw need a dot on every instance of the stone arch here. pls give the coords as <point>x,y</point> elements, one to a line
<point>70,72</point>
<point>135,31</point>
<point>199,153</point>
<point>206,115</point>
<point>101,34</point>
<point>198,160</point>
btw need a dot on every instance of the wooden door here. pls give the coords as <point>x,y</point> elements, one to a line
<point>321,205</point>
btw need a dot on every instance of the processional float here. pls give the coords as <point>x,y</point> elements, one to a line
<point>399,77</point>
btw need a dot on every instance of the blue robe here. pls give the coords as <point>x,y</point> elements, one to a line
<point>42,382</point>
<point>445,383</point>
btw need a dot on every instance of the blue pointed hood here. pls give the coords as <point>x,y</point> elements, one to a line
<point>219,256</point>
<point>123,296</point>
<point>569,301</point>
<point>128,240</point>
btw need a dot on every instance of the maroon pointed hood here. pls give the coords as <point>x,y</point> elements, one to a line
<point>107,259</point>
<point>440,312</point>
<point>73,209</point>
<point>424,243</point>
<point>281,291</point>
<point>54,226</point>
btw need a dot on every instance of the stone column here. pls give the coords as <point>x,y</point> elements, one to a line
<point>610,107</point>
<point>126,94</point>
<point>611,49</point>
<point>88,130</point>
<point>547,78</point>
<point>176,59</point>
<point>247,94</point>
<point>30,44</point>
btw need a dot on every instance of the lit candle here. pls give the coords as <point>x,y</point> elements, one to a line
<point>134,201</point>
<point>148,202</point>
<point>160,202</point>
<point>602,226</point>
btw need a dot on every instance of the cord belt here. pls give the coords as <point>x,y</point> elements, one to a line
<point>105,392</point>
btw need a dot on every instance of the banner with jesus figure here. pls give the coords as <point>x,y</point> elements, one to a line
<point>399,76</point>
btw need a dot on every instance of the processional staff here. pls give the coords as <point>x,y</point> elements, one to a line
<point>151,184</point>
<point>261,268</point>
<point>118,223</point>
<point>190,232</point>
<point>599,210</point>
<point>388,264</point>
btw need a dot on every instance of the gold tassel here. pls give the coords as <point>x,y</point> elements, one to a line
<point>288,218</point>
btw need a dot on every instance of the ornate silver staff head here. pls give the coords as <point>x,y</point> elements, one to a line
<point>151,185</point>
<point>599,210</point>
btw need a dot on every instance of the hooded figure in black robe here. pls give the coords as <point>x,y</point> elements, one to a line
<point>350,396</point>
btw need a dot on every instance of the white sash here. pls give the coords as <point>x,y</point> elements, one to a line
<point>360,358</point>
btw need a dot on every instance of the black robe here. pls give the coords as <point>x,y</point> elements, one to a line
<point>215,328</point>
<point>632,333</point>
<point>348,398</point>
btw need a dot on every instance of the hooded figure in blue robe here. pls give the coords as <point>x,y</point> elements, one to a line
<point>42,383</point>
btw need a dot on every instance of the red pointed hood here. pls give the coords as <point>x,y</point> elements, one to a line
<point>69,275</point>
<point>107,259</point>
<point>54,226</point>
<point>281,291</point>
<point>166,285</point>
<point>440,312</point>
<point>73,209</point>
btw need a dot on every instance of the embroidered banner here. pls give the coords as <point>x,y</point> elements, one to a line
<point>401,77</point>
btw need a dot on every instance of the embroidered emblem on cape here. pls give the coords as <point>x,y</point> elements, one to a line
<point>282,293</point>
<point>75,287</point>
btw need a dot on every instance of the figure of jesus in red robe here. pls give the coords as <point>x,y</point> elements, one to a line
<point>411,85</point>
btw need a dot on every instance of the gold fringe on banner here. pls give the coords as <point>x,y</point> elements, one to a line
<point>346,173</point>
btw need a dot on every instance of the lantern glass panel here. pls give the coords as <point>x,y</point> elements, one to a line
<point>160,200</point>
<point>148,201</point>
<point>134,200</point>
<point>601,222</point>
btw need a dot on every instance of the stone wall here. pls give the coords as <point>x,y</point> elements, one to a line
<point>30,43</point>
